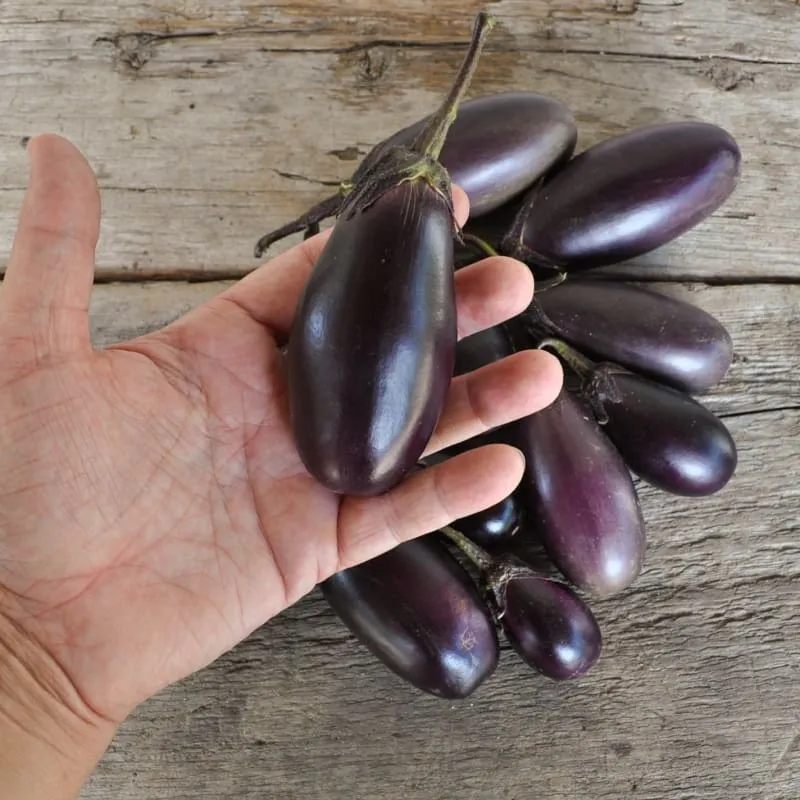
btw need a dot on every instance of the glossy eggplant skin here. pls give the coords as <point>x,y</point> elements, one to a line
<point>372,347</point>
<point>421,615</point>
<point>481,348</point>
<point>551,628</point>
<point>667,438</point>
<point>667,339</point>
<point>631,194</point>
<point>495,526</point>
<point>498,145</point>
<point>579,499</point>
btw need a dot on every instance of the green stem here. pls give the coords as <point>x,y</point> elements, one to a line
<point>476,554</point>
<point>481,244</point>
<point>431,140</point>
<point>575,360</point>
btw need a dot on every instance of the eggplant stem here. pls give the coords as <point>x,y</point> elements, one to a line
<point>322,210</point>
<point>481,244</point>
<point>576,361</point>
<point>476,554</point>
<point>551,283</point>
<point>432,138</point>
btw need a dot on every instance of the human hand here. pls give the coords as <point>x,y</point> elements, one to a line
<point>154,508</point>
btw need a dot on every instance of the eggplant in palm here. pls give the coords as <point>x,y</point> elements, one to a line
<point>421,615</point>
<point>372,346</point>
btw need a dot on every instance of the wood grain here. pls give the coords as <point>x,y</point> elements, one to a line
<point>696,695</point>
<point>207,127</point>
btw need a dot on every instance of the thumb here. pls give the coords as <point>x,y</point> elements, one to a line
<point>48,282</point>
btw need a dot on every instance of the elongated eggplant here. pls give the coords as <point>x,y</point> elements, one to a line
<point>628,195</point>
<point>579,498</point>
<point>500,144</point>
<point>550,627</point>
<point>372,346</point>
<point>667,438</point>
<point>421,615</point>
<point>667,339</point>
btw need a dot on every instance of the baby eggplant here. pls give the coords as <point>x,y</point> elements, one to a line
<point>579,498</point>
<point>500,144</point>
<point>667,438</point>
<point>372,347</point>
<point>670,340</point>
<point>627,195</point>
<point>550,627</point>
<point>494,527</point>
<point>482,348</point>
<point>497,146</point>
<point>421,615</point>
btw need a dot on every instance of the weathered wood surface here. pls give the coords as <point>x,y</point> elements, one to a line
<point>209,123</point>
<point>696,696</point>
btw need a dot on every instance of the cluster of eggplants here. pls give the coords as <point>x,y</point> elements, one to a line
<point>373,348</point>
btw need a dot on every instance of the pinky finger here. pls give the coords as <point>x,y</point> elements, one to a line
<point>426,501</point>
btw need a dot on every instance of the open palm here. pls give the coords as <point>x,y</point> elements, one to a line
<point>153,507</point>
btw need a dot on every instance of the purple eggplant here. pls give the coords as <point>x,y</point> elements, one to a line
<point>579,499</point>
<point>372,347</point>
<point>482,348</point>
<point>421,615</point>
<point>550,627</point>
<point>667,438</point>
<point>494,527</point>
<point>667,339</point>
<point>500,144</point>
<point>627,196</point>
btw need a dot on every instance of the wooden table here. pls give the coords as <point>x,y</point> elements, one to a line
<point>209,122</point>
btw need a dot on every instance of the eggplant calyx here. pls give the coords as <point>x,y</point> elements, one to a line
<point>505,570</point>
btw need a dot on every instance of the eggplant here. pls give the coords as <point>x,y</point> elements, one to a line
<point>669,340</point>
<point>497,146</point>
<point>372,346</point>
<point>500,144</point>
<point>494,527</point>
<point>579,498</point>
<point>550,627</point>
<point>627,196</point>
<point>666,437</point>
<point>419,612</point>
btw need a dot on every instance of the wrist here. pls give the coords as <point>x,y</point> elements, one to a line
<point>50,740</point>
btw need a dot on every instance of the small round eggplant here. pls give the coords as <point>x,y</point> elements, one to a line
<point>500,144</point>
<point>495,526</point>
<point>630,194</point>
<point>372,348</point>
<point>579,499</point>
<point>550,627</point>
<point>668,439</point>
<point>482,348</point>
<point>669,340</point>
<point>420,614</point>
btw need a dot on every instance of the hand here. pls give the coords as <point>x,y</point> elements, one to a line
<point>154,509</point>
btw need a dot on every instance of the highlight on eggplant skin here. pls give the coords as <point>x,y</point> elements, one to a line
<point>372,348</point>
<point>579,498</point>
<point>632,194</point>
<point>500,144</point>
<point>493,527</point>
<point>667,339</point>
<point>667,438</point>
<point>550,627</point>
<point>419,612</point>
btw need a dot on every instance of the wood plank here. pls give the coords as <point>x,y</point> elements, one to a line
<point>696,696</point>
<point>764,321</point>
<point>196,138</point>
<point>666,28</point>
